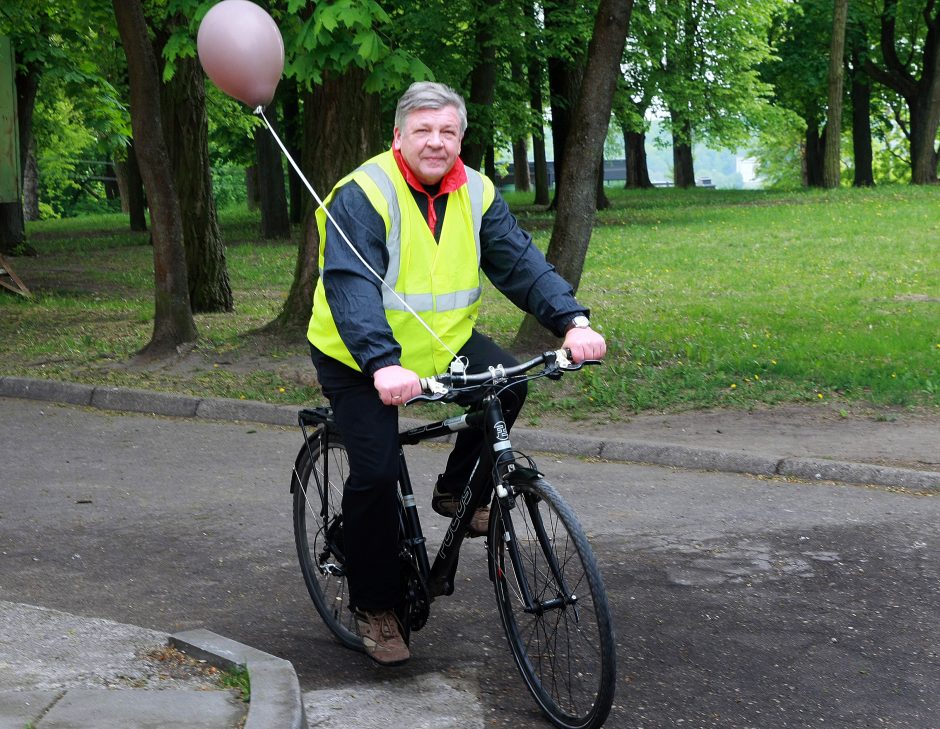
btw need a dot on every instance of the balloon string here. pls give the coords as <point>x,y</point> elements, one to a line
<point>260,112</point>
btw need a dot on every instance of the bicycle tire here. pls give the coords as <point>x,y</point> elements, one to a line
<point>319,539</point>
<point>564,650</point>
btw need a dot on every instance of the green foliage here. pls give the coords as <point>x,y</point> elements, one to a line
<point>231,129</point>
<point>345,33</point>
<point>569,30</point>
<point>778,150</point>
<point>705,80</point>
<point>799,72</point>
<point>238,679</point>
<point>636,90</point>
<point>57,128</point>
<point>79,115</point>
<point>799,79</point>
<point>228,186</point>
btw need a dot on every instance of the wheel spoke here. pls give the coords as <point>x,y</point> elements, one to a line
<point>562,644</point>
<point>319,538</point>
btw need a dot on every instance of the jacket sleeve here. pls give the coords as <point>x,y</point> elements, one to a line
<point>352,291</point>
<point>518,269</point>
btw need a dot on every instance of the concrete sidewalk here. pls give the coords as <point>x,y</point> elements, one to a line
<point>61,671</point>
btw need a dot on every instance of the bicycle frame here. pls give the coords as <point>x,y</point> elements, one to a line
<point>497,449</point>
<point>497,465</point>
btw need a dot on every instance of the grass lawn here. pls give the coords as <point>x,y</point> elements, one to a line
<point>708,298</point>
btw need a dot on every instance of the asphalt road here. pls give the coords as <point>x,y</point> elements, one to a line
<point>739,602</point>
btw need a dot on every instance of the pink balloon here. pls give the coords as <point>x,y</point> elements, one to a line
<point>241,50</point>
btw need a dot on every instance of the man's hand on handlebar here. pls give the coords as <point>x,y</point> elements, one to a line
<point>584,344</point>
<point>396,385</point>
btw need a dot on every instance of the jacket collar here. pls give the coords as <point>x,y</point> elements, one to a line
<point>455,178</point>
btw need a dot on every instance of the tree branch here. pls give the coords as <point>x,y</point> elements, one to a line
<point>895,75</point>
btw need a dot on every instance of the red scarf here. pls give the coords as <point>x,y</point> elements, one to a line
<point>455,178</point>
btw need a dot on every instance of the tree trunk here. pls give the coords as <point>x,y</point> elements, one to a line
<point>520,166</point>
<point>683,165</point>
<point>925,106</point>
<point>186,131</point>
<point>111,189</point>
<point>13,230</point>
<point>542,196</point>
<point>922,95</point>
<point>31,186</point>
<point>925,119</point>
<point>861,125</point>
<point>564,84</point>
<point>813,156</point>
<point>136,200</point>
<point>275,219</point>
<point>683,169</point>
<point>601,202</point>
<point>173,324</point>
<point>638,175</point>
<point>538,134</point>
<point>832,161</point>
<point>293,132</point>
<point>584,152</point>
<point>520,148</point>
<point>482,89</point>
<point>120,172</point>
<point>341,130</point>
<point>12,224</point>
<point>252,191</point>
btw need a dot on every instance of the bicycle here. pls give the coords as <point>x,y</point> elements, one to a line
<point>549,591</point>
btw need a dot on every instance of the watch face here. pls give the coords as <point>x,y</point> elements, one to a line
<point>581,322</point>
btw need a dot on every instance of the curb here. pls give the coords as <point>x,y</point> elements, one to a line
<point>661,454</point>
<point>702,458</point>
<point>276,700</point>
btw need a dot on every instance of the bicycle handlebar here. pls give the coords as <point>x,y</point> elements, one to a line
<point>440,387</point>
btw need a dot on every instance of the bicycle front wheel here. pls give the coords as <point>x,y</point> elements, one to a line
<point>553,606</point>
<point>320,473</point>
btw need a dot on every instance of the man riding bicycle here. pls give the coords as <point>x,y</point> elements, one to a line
<point>427,226</point>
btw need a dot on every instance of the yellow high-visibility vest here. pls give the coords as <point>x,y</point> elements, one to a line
<point>440,280</point>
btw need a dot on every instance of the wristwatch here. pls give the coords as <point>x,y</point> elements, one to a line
<point>579,322</point>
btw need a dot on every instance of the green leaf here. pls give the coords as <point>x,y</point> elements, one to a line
<point>370,45</point>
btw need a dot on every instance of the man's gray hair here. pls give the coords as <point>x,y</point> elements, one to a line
<point>430,95</point>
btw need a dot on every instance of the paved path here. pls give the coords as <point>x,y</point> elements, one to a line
<point>739,601</point>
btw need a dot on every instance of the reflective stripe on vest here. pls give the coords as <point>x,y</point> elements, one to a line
<point>422,302</point>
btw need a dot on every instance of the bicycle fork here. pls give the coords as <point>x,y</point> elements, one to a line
<point>506,472</point>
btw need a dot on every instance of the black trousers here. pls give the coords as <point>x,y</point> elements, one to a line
<point>370,496</point>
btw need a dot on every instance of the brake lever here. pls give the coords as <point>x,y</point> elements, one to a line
<point>425,398</point>
<point>563,361</point>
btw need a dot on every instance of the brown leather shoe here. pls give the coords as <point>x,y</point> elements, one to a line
<point>447,504</point>
<point>381,636</point>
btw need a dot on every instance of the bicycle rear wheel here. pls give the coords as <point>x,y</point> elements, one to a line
<point>320,473</point>
<point>553,606</point>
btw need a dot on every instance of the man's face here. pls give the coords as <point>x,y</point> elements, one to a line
<point>429,142</point>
